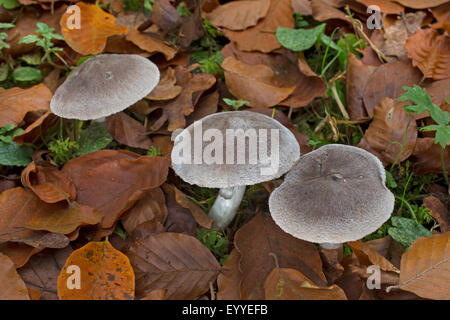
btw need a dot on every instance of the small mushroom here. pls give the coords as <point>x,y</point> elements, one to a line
<point>104,85</point>
<point>334,194</point>
<point>230,150</point>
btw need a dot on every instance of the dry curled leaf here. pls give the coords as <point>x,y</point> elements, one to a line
<point>112,181</point>
<point>48,183</point>
<point>438,211</point>
<point>430,52</point>
<point>128,131</point>
<point>425,267</point>
<point>16,102</point>
<point>238,15</point>
<point>173,261</point>
<point>368,256</point>
<point>263,245</point>
<point>254,83</point>
<point>151,43</point>
<point>291,284</point>
<point>166,88</point>
<point>95,27</point>
<point>392,133</point>
<point>13,287</point>
<point>105,274</point>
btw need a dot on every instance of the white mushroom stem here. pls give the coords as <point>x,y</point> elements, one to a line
<point>226,205</point>
<point>331,246</point>
<point>102,119</point>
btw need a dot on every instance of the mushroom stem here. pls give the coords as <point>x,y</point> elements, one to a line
<point>226,205</point>
<point>102,119</point>
<point>331,246</point>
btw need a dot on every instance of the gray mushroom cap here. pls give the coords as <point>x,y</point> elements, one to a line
<point>104,85</point>
<point>231,173</point>
<point>334,194</point>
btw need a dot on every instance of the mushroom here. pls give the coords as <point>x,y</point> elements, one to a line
<point>332,195</point>
<point>230,150</point>
<point>104,85</point>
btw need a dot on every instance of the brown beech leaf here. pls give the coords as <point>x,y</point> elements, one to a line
<point>238,15</point>
<point>33,132</point>
<point>291,284</point>
<point>106,274</point>
<point>302,6</point>
<point>255,83</point>
<point>165,15</point>
<point>151,207</point>
<point>442,15</point>
<point>166,88</point>
<point>173,261</point>
<point>41,272</point>
<point>386,6</point>
<point>322,11</point>
<point>128,131</point>
<point>419,4</point>
<point>159,294</point>
<point>112,181</point>
<point>425,267</point>
<point>387,81</point>
<point>332,267</point>
<point>19,253</point>
<point>438,211</point>
<point>427,157</point>
<point>16,102</point>
<point>229,279</point>
<point>357,76</point>
<point>392,134</point>
<point>262,244</point>
<point>177,109</point>
<point>430,52</point>
<point>13,287</point>
<point>96,27</point>
<point>151,43</point>
<point>48,183</point>
<point>262,36</point>
<point>206,105</point>
<point>368,256</point>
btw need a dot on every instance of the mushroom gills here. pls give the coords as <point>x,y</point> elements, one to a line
<point>226,206</point>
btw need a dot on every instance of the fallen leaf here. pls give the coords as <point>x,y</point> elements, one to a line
<point>386,6</point>
<point>105,274</point>
<point>159,294</point>
<point>48,183</point>
<point>438,212</point>
<point>442,15</point>
<point>128,131</point>
<point>13,287</point>
<point>173,261</point>
<point>331,260</point>
<point>151,43</point>
<point>368,256</point>
<point>41,272</point>
<point>206,105</point>
<point>358,75</point>
<point>258,241</point>
<point>112,181</point>
<point>16,102</point>
<point>165,15</point>
<point>255,84</point>
<point>33,132</point>
<point>302,6</point>
<point>392,133</point>
<point>427,157</point>
<point>430,52</point>
<point>19,253</point>
<point>262,36</point>
<point>322,11</point>
<point>291,284</point>
<point>425,268</point>
<point>96,27</point>
<point>238,15</point>
<point>230,277</point>
<point>151,207</point>
<point>419,4</point>
<point>166,88</point>
<point>387,81</point>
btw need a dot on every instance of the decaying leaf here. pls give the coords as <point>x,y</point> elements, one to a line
<point>166,88</point>
<point>427,157</point>
<point>105,274</point>
<point>438,211</point>
<point>13,287</point>
<point>128,131</point>
<point>173,261</point>
<point>418,4</point>
<point>95,27</point>
<point>425,267</point>
<point>430,52</point>
<point>151,43</point>
<point>368,256</point>
<point>229,279</point>
<point>291,284</point>
<point>16,102</point>
<point>386,6</point>
<point>262,244</point>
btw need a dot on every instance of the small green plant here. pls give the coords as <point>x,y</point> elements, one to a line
<point>10,4</point>
<point>154,151</point>
<point>183,10</point>
<point>215,242</point>
<point>3,35</point>
<point>63,150</point>
<point>236,104</point>
<point>11,154</point>
<point>44,38</point>
<point>422,102</point>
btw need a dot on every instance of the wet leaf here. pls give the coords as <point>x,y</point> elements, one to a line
<point>13,286</point>
<point>176,262</point>
<point>424,268</point>
<point>105,274</point>
<point>96,27</point>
